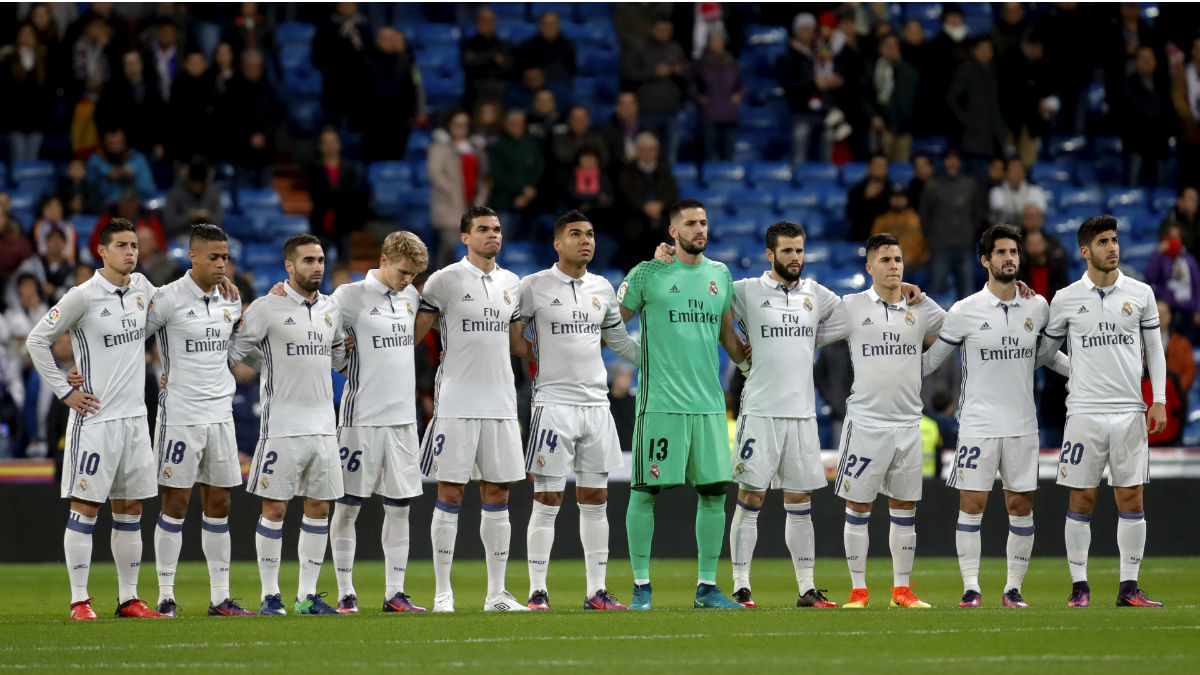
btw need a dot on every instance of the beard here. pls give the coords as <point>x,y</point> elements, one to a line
<point>781,270</point>
<point>692,249</point>
<point>1004,277</point>
<point>308,286</point>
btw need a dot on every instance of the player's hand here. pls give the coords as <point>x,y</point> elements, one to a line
<point>665,253</point>
<point>74,378</point>
<point>1025,291</point>
<point>84,403</point>
<point>1158,417</point>
<point>348,341</point>
<point>277,289</point>
<point>229,289</point>
<point>912,293</point>
<point>162,381</point>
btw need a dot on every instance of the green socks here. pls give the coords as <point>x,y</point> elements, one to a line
<point>639,527</point>
<point>710,535</point>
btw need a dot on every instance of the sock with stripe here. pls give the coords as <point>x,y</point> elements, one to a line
<point>395,545</point>
<point>77,551</point>
<point>126,544</point>
<point>855,538</point>
<point>314,535</point>
<point>969,546</point>
<point>214,540</point>
<point>495,531</point>
<point>1077,534</point>
<point>710,536</point>
<point>268,544</point>
<point>443,531</point>
<point>539,539</point>
<point>902,540</point>
<point>639,529</point>
<point>593,534</point>
<point>743,535</point>
<point>168,539</point>
<point>1131,542</point>
<point>801,543</point>
<point>343,540</point>
<point>1019,549</point>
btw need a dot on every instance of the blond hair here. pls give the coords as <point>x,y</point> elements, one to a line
<point>408,245</point>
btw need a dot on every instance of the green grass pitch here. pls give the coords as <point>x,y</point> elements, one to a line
<point>35,636</point>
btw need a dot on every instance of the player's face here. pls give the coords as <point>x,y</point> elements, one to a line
<point>886,266</point>
<point>208,262</point>
<point>690,230</point>
<point>121,253</point>
<point>787,259</point>
<point>1004,261</point>
<point>484,238</point>
<point>1104,253</point>
<point>397,273</point>
<point>577,243</point>
<point>307,268</point>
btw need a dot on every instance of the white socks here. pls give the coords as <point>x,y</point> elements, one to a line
<point>1131,542</point>
<point>314,534</point>
<point>856,540</point>
<point>539,539</point>
<point>395,545</point>
<point>902,539</point>
<point>967,542</point>
<point>593,534</point>
<point>126,544</point>
<point>801,544</point>
<point>268,543</point>
<point>495,532</point>
<point>77,551</point>
<point>743,536</point>
<point>214,540</point>
<point>1078,537</point>
<point>1020,548</point>
<point>343,541</point>
<point>168,539</point>
<point>443,530</point>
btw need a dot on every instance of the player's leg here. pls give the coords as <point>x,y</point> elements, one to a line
<point>639,531</point>
<point>361,458</point>
<point>743,536</point>
<point>659,461</point>
<point>757,454</point>
<point>856,541</point>
<point>401,482</point>
<point>499,463</point>
<point>591,495</point>
<point>168,540</point>
<point>1077,535</point>
<point>902,484</point>
<point>801,471</point>
<point>132,482</point>
<point>709,468</point>
<point>77,551</point>
<point>1020,543</point>
<point>443,532</point>
<point>268,545</point>
<point>127,546</point>
<point>220,471</point>
<point>343,543</point>
<point>1129,471</point>
<point>447,455</point>
<point>553,433</point>
<point>971,504</point>
<point>310,549</point>
<point>865,454</point>
<point>539,536</point>
<point>1084,455</point>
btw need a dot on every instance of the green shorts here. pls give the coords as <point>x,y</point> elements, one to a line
<point>671,447</point>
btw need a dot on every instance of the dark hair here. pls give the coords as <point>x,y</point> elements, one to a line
<point>880,240</point>
<point>446,115</point>
<point>198,169</point>
<point>56,230</point>
<point>114,226</point>
<point>46,199</point>
<point>1184,188</point>
<point>206,232</point>
<point>296,241</point>
<point>682,204</point>
<point>468,216</point>
<point>987,242</point>
<point>567,218</point>
<point>783,228</point>
<point>1090,228</point>
<point>26,276</point>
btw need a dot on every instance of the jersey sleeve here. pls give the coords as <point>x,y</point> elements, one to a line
<point>526,293</point>
<point>343,297</point>
<point>1149,319</point>
<point>934,316</point>
<point>612,315</point>
<point>61,318</point>
<point>738,303</point>
<point>433,295</point>
<point>729,295</point>
<point>250,332</point>
<point>954,326</point>
<point>1056,324</point>
<point>517,289</point>
<point>836,327</point>
<point>338,353</point>
<point>160,310</point>
<point>631,294</point>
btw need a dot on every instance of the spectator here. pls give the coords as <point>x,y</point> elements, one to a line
<point>915,51</point>
<point>1027,99</point>
<point>1071,61</point>
<point>902,221</point>
<point>129,206</point>
<point>850,65</point>
<point>660,69</point>
<point>253,115</point>
<point>73,190</point>
<point>51,219</point>
<point>949,210</point>
<point>719,90</point>
<point>868,199</point>
<point>923,172</point>
<point>1008,200</point>
<point>621,131</point>
<point>573,137</point>
<point>193,109</point>
<point>548,51</point>
<point>163,52</point>
<point>338,51</point>
<point>458,174</point>
<point>1008,33</point>
<point>1123,38</point>
<point>1173,274</point>
<point>223,70</point>
<point>974,101</point>
<point>516,163</point>
<point>1043,264</point>
<point>890,101</point>
<point>1184,215</point>
<point>397,97</point>
<point>153,260</point>
<point>250,30</point>
<point>486,60</point>
<point>486,124</point>
<point>339,194</point>
<point>90,64</point>
<point>804,88</point>
<point>27,85</point>
<point>194,198</point>
<point>132,103</point>
<point>544,117</point>
<point>1181,360</point>
<point>948,51</point>
<point>522,94</point>
<point>1146,120</point>
<point>26,307</point>
<point>589,190</point>
<point>54,273</point>
<point>115,168</point>
<point>633,21</point>
<point>646,189</point>
<point>14,247</point>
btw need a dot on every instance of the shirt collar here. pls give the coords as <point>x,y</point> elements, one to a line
<point>563,276</point>
<point>108,285</point>
<point>297,298</point>
<point>378,286</point>
<point>1091,285</point>
<point>479,274</point>
<point>771,283</point>
<point>995,300</point>
<point>195,290</point>
<point>875,298</point>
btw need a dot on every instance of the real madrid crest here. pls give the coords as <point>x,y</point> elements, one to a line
<point>228,316</point>
<point>741,466</point>
<point>265,481</point>
<point>83,485</point>
<point>910,319</point>
<point>167,472</point>
<point>1028,324</point>
<point>1127,309</point>
<point>142,305</point>
<point>712,287</point>
<point>654,472</point>
<point>596,303</point>
<point>328,321</point>
<point>408,306</point>
<point>541,461</point>
<point>507,300</point>
<point>808,304</point>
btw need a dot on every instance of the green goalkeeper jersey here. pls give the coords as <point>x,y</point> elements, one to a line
<point>681,308</point>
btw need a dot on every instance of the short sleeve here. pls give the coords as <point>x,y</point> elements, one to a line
<point>953,330</point>
<point>526,293</point>
<point>159,311</point>
<point>516,315</point>
<point>631,294</point>
<point>433,295</point>
<point>827,302</point>
<point>612,313</point>
<point>1056,324</point>
<point>739,300</point>
<point>342,297</point>
<point>1150,320</point>
<point>729,295</point>
<point>935,316</point>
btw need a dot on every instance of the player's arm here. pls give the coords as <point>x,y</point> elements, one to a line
<point>518,344</point>
<point>945,343</point>
<point>430,308</point>
<point>158,314</point>
<point>1156,364</point>
<point>629,295</point>
<point>64,316</point>
<point>613,332</point>
<point>337,357</point>
<point>730,339</point>
<point>835,327</point>
<point>249,335</point>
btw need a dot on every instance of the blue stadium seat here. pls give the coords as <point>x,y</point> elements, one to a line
<point>688,186</point>
<point>36,177</point>
<point>762,216</point>
<point>745,150</point>
<point>418,144</point>
<point>261,255</point>
<point>1049,174</point>
<point>23,204</point>
<point>1066,145</point>
<point>853,172</point>
<point>934,146</point>
<point>564,10</point>
<point>727,252</point>
<point>613,275</point>
<point>759,174</point>
<point>753,251</point>
<point>977,24</point>
<point>518,253</point>
<point>737,227</point>
<point>815,172</point>
<point>833,199</point>
<point>432,34</point>
<point>724,174</point>
<point>240,226</point>
<point>1076,198</point>
<point>510,11</point>
<point>686,171</point>
<point>814,223</point>
<point>589,36</point>
<point>845,281</point>
<point>1126,197</point>
<point>84,226</point>
<point>443,91</point>
<point>588,12</point>
<point>154,201</point>
<point>818,252</point>
<point>440,59</point>
<point>596,62</point>
<point>302,83</point>
<point>304,115</point>
<point>743,199</point>
<point>922,11</point>
<point>1108,146</point>
<point>295,33</point>
<point>849,254</point>
<point>750,117</point>
<point>802,198</point>
<point>1163,200</point>
<point>283,226</point>
<point>716,201</point>
<point>900,173</point>
<point>295,56</point>
<point>1097,99</point>
<point>758,34</point>
<point>259,199</point>
<point>395,170</point>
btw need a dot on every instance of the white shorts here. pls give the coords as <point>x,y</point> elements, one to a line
<point>1093,441</point>
<point>457,450</point>
<point>380,460</point>
<point>778,452</point>
<point>566,438</point>
<point>287,466</point>
<point>108,460</point>
<point>198,453</point>
<point>978,461</point>
<point>879,459</point>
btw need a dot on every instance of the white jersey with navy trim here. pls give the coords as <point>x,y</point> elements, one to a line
<point>1105,330</point>
<point>193,329</point>
<point>381,389</point>
<point>108,336</point>
<point>781,324</point>
<point>300,343</point>
<point>567,317</point>
<point>475,379</point>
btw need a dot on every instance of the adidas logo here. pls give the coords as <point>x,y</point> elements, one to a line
<point>1082,310</point>
<point>191,314</point>
<point>466,298</point>
<point>105,312</point>
<point>674,289</point>
<point>374,311</point>
<point>556,303</point>
<point>766,303</point>
<point>289,322</point>
<point>985,326</point>
<point>867,321</point>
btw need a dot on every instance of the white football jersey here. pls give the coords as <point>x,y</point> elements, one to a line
<point>108,336</point>
<point>381,387</point>
<point>567,317</point>
<point>998,341</point>
<point>475,379</point>
<point>193,330</point>
<point>781,324</point>
<point>300,343</point>
<point>886,342</point>
<point>1103,329</point>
